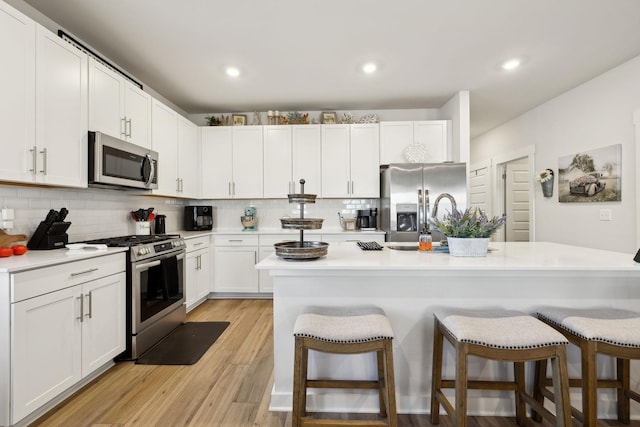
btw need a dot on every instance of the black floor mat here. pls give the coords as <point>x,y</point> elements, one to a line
<point>185,345</point>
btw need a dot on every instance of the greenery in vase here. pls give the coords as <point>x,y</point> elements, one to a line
<point>472,223</point>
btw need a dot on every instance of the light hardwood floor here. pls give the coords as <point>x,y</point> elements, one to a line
<point>229,387</point>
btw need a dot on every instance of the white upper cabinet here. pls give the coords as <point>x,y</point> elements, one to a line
<point>247,162</point>
<point>232,163</point>
<point>117,107</point>
<point>291,153</point>
<point>350,160</point>
<point>433,135</point>
<point>188,159</point>
<point>164,132</point>
<point>61,111</point>
<point>43,116</point>
<point>307,158</point>
<point>17,86</point>
<point>217,171</point>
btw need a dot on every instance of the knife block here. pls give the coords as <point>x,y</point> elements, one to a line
<point>49,236</point>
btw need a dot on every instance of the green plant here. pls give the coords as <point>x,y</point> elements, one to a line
<point>472,223</point>
<point>213,120</point>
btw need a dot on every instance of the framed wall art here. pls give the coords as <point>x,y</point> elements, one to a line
<point>591,176</point>
<point>239,119</point>
<point>329,118</point>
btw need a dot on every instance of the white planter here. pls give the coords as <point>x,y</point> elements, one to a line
<point>459,246</point>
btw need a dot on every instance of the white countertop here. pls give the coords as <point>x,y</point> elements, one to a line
<point>540,256</point>
<point>296,232</point>
<point>37,258</point>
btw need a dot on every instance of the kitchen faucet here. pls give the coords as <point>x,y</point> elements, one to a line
<point>434,213</point>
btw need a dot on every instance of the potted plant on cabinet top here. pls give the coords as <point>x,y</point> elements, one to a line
<point>468,232</point>
<point>213,120</point>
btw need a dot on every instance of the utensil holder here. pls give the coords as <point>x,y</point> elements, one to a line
<point>143,227</point>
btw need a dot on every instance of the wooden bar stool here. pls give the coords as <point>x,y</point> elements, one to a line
<point>347,330</point>
<point>608,331</point>
<point>497,335</point>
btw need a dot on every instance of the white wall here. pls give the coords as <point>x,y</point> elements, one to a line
<point>595,114</point>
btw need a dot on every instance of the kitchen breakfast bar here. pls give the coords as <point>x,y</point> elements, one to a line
<point>411,285</point>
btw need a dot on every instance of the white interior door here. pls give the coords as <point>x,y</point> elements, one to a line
<point>516,191</point>
<point>479,185</point>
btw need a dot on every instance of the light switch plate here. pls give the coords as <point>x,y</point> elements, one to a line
<point>605,214</point>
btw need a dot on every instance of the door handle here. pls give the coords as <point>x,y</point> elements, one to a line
<point>420,209</point>
<point>80,318</point>
<point>90,311</point>
<point>44,161</point>
<point>34,159</point>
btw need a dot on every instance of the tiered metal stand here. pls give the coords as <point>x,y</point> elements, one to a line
<point>301,250</point>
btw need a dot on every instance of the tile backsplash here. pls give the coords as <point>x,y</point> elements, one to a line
<point>98,213</point>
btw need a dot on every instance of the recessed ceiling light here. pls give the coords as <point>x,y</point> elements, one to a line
<point>511,64</point>
<point>370,67</point>
<point>232,71</point>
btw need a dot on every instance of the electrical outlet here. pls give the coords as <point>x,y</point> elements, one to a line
<point>605,214</point>
<point>7,213</point>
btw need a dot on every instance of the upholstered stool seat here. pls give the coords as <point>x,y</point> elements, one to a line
<point>497,335</point>
<point>608,331</point>
<point>344,330</point>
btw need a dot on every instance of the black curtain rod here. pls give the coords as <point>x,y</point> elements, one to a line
<point>88,51</point>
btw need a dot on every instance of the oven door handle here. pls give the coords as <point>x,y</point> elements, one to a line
<point>147,265</point>
<point>156,263</point>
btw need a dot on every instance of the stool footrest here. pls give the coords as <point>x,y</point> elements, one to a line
<point>342,384</point>
<point>482,385</point>
<point>319,422</point>
<point>633,395</point>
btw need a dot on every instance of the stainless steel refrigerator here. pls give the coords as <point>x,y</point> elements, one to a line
<point>409,192</point>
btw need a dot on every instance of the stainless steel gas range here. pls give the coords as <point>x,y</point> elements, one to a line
<point>155,288</point>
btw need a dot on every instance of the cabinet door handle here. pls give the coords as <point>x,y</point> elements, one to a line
<point>91,270</point>
<point>352,187</point>
<point>34,159</point>
<point>234,188</point>
<point>90,311</point>
<point>80,318</point>
<point>181,184</point>
<point>44,161</point>
<point>229,191</point>
<point>128,121</point>
<point>178,184</point>
<point>123,126</point>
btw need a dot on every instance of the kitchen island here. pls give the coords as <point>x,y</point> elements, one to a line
<point>411,285</point>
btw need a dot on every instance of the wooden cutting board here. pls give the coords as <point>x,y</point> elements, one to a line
<point>7,239</point>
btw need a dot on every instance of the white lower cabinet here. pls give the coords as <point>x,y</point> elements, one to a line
<point>198,271</point>
<point>235,260</point>
<point>266,248</point>
<point>64,329</point>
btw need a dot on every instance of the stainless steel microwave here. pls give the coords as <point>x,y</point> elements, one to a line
<point>114,163</point>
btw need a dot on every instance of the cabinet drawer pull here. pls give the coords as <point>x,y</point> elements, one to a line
<point>91,270</point>
<point>235,240</point>
<point>198,244</point>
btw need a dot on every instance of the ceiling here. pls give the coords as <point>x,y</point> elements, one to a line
<point>301,55</point>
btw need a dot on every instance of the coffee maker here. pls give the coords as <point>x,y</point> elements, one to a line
<point>367,219</point>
